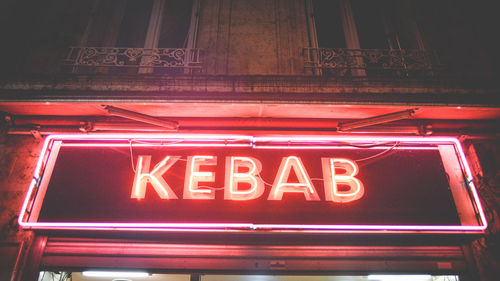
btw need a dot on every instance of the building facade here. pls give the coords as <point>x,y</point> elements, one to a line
<point>264,68</point>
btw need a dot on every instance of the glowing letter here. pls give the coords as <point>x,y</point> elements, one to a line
<point>281,185</point>
<point>142,177</point>
<point>332,180</point>
<point>194,176</point>
<point>233,178</point>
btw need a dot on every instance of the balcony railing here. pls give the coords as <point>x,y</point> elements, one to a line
<point>371,62</point>
<point>140,58</point>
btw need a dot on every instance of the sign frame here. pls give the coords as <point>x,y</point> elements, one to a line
<point>46,161</point>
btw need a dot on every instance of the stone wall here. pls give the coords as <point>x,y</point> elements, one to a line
<point>18,157</point>
<point>253,37</point>
<point>484,159</point>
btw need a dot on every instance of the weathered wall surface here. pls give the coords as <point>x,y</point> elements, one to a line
<point>258,37</point>
<point>484,159</point>
<point>18,157</point>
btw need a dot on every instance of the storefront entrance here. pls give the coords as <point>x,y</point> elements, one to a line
<point>144,276</point>
<point>251,208</point>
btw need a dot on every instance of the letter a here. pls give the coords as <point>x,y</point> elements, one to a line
<point>332,180</point>
<point>281,185</point>
<point>234,177</point>
<point>142,177</point>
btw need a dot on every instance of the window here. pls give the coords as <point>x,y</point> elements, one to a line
<point>328,23</point>
<point>130,36</point>
<point>364,38</point>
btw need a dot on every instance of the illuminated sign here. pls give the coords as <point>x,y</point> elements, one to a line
<point>251,176</point>
<point>245,183</point>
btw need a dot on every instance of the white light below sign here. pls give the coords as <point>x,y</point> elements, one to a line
<point>398,277</point>
<point>112,274</point>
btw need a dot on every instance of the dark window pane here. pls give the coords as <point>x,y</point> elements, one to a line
<point>328,23</point>
<point>175,24</point>
<point>369,17</point>
<point>101,18</point>
<point>135,24</point>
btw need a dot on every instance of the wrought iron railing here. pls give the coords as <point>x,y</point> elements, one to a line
<point>371,62</point>
<point>141,58</point>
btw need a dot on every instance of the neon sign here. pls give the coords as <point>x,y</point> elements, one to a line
<point>244,183</point>
<point>254,167</point>
<point>234,177</point>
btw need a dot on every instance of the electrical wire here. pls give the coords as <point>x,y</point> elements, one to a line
<point>395,144</point>
<point>378,154</point>
<point>265,182</point>
<point>367,145</point>
<point>132,156</point>
<point>131,141</point>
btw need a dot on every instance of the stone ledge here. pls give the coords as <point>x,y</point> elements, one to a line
<point>240,84</point>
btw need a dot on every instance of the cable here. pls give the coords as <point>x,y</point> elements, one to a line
<point>265,182</point>
<point>212,188</point>
<point>131,156</point>
<point>378,154</point>
<point>367,145</point>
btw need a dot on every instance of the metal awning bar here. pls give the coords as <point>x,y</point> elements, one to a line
<point>349,125</point>
<point>172,125</point>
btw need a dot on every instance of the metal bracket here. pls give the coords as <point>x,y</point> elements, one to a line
<point>35,132</point>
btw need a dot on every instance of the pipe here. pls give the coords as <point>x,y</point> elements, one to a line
<point>350,125</point>
<point>169,124</point>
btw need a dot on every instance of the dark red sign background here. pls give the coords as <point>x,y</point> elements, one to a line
<point>402,187</point>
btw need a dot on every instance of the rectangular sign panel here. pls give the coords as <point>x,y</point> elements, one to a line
<point>246,183</point>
